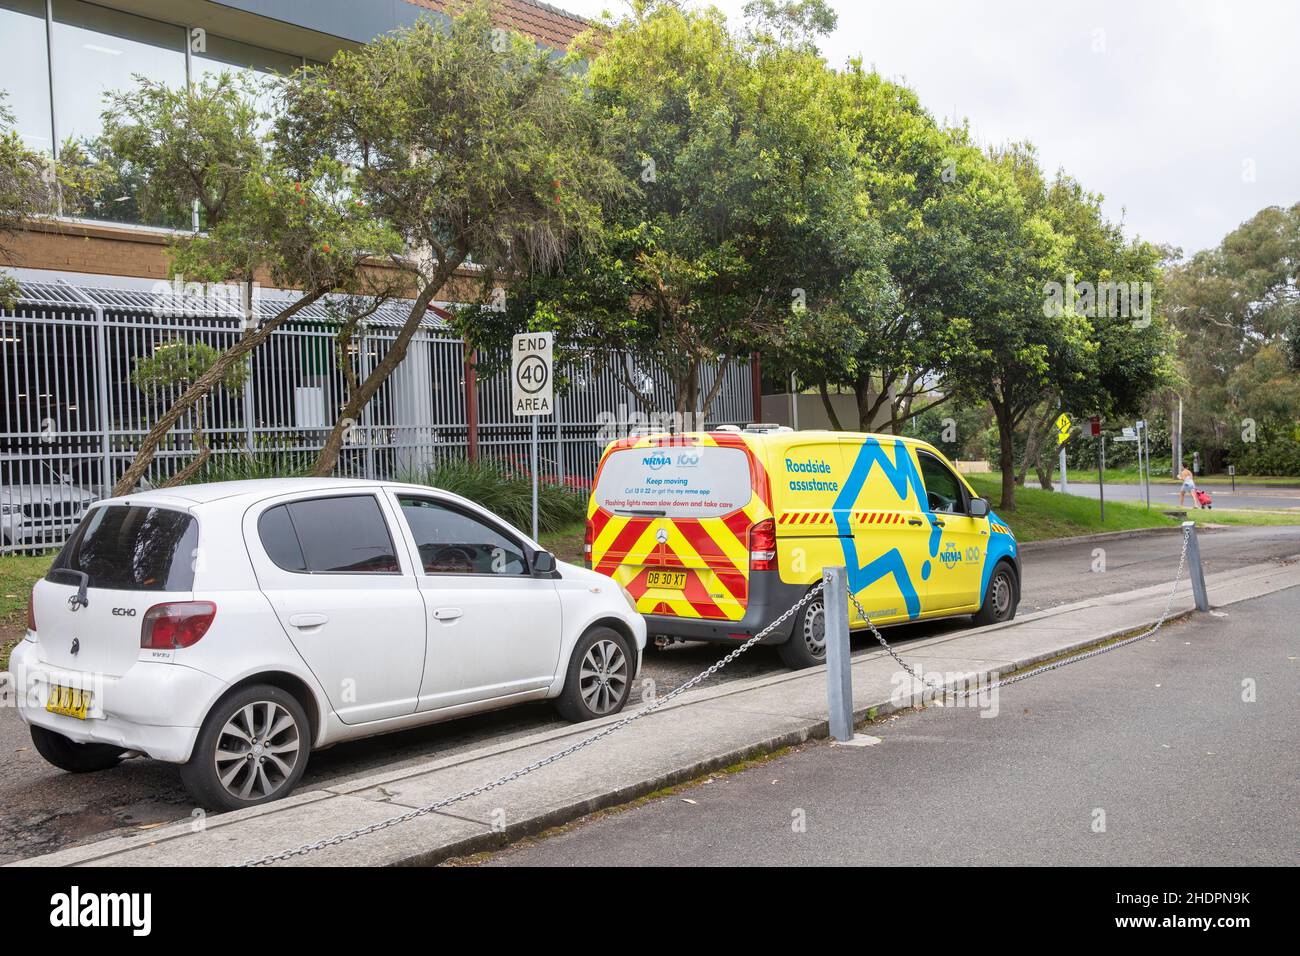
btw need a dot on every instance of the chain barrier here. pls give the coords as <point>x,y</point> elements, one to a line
<point>545,761</point>
<point>942,691</point>
<point>650,708</point>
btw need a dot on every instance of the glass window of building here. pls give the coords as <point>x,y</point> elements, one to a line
<point>220,55</point>
<point>97,50</point>
<point>24,71</point>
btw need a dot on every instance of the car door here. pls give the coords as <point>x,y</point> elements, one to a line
<point>954,582</point>
<point>329,566</point>
<point>494,630</point>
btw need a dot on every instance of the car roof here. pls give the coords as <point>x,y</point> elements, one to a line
<point>251,490</point>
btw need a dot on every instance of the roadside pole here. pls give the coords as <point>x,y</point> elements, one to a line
<point>1195,570</point>
<point>1063,432</point>
<point>534,477</point>
<point>1094,429</point>
<point>1146,443</point>
<point>532,388</point>
<point>1101,476</point>
<point>839,678</point>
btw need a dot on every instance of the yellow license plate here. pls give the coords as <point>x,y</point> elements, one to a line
<point>68,701</point>
<point>675,580</point>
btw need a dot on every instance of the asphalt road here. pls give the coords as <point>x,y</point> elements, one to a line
<point>43,809</point>
<point>1245,498</point>
<point>1145,756</point>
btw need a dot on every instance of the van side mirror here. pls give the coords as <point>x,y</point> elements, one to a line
<point>979,507</point>
<point>543,562</point>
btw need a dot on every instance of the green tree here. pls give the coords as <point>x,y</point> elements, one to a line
<point>739,217</point>
<point>1236,309</point>
<point>474,146</point>
<point>303,227</point>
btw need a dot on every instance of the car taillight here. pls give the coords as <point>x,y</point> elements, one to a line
<point>587,539</point>
<point>31,610</point>
<point>179,624</point>
<point>762,546</point>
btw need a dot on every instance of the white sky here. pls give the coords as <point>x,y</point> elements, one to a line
<point>1186,118</point>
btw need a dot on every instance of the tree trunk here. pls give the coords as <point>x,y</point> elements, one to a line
<point>718,378</point>
<point>250,340</point>
<point>1044,477</point>
<point>359,398</point>
<point>192,469</point>
<point>1006,457</point>
<point>829,406</point>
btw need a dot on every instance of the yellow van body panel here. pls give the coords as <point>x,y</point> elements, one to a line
<point>835,499</point>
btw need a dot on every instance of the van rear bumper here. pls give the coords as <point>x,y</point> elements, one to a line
<point>769,598</point>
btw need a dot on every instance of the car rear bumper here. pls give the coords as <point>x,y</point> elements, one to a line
<point>769,598</point>
<point>154,708</point>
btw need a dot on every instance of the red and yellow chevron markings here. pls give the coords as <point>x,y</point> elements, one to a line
<point>713,552</point>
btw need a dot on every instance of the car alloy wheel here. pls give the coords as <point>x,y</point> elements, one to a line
<point>257,750</point>
<point>603,676</point>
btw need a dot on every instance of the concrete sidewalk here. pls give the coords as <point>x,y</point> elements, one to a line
<point>703,731</point>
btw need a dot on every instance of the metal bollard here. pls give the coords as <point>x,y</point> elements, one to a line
<point>1194,568</point>
<point>839,677</point>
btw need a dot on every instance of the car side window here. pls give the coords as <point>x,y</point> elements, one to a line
<point>345,534</point>
<point>450,541</point>
<point>943,491</point>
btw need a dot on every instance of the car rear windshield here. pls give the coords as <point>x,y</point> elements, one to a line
<point>131,548</point>
<point>697,481</point>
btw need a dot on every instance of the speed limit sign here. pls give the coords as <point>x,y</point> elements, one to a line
<point>532,384</point>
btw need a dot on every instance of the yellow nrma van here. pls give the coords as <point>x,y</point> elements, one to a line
<point>716,533</point>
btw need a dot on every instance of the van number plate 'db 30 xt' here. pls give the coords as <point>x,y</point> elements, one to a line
<point>674,580</point>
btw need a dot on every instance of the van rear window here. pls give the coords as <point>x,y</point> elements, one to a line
<point>131,548</point>
<point>696,481</point>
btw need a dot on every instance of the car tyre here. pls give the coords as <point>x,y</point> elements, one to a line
<point>74,757</point>
<point>599,678</point>
<point>252,749</point>
<point>806,646</point>
<point>1001,598</point>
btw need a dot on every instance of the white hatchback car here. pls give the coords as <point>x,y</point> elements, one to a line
<point>232,628</point>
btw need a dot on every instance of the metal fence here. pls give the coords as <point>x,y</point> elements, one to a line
<point>72,419</point>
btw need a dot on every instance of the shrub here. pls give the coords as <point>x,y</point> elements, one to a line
<point>504,493</point>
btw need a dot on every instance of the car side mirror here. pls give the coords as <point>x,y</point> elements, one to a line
<point>979,507</point>
<point>543,562</point>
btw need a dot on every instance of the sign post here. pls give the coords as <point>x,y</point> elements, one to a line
<point>1094,428</point>
<point>1063,428</point>
<point>532,387</point>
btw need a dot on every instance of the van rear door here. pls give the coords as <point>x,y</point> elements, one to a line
<point>670,522</point>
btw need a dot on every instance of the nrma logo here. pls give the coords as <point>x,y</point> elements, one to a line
<point>950,555</point>
<point>655,462</point>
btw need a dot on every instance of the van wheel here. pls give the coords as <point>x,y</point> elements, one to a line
<point>74,757</point>
<point>251,749</point>
<point>599,680</point>
<point>1001,598</point>
<point>806,646</point>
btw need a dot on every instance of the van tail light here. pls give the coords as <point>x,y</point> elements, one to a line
<point>762,545</point>
<point>178,624</point>
<point>587,538</point>
<point>31,610</point>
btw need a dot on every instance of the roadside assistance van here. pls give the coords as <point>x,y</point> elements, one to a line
<point>716,533</point>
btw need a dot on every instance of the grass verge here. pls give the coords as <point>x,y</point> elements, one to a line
<point>1041,515</point>
<point>18,572</point>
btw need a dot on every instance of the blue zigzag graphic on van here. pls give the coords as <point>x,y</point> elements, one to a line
<point>902,475</point>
